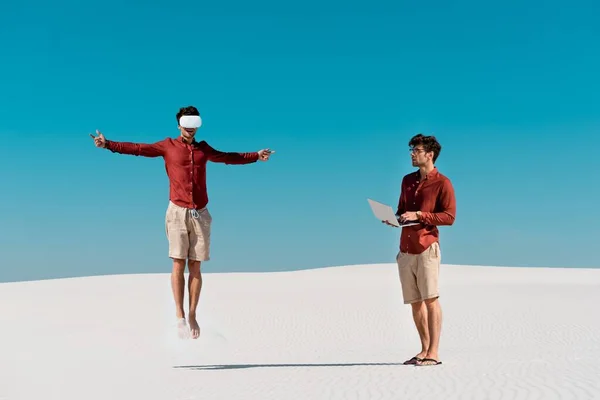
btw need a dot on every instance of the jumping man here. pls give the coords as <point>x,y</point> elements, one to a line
<point>187,219</point>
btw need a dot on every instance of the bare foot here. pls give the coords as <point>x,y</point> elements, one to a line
<point>194,328</point>
<point>182,329</point>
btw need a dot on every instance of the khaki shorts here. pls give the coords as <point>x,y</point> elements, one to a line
<point>419,274</point>
<point>188,232</point>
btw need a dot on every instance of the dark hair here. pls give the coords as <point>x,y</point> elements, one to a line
<point>189,110</point>
<point>429,143</point>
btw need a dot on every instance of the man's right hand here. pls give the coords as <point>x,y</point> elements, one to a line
<point>100,140</point>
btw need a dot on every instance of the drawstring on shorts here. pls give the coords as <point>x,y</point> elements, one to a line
<point>195,213</point>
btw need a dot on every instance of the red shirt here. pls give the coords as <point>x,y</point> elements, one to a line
<point>434,197</point>
<point>185,165</point>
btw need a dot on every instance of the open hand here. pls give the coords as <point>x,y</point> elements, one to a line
<point>100,140</point>
<point>263,155</point>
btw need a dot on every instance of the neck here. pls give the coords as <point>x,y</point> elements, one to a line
<point>426,169</point>
<point>190,140</point>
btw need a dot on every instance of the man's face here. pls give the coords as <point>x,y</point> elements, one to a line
<point>188,133</point>
<point>419,156</point>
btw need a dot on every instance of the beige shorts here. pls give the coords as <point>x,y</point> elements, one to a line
<point>188,232</point>
<point>419,274</point>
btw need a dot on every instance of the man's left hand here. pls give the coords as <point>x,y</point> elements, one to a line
<point>409,216</point>
<point>263,155</point>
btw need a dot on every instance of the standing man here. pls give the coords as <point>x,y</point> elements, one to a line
<point>187,220</point>
<point>427,197</point>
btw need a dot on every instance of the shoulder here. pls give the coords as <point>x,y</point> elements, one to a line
<point>444,179</point>
<point>166,141</point>
<point>164,145</point>
<point>444,182</point>
<point>437,176</point>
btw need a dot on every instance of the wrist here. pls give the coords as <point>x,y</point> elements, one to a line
<point>419,215</point>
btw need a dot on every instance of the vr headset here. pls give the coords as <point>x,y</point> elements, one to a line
<point>190,121</point>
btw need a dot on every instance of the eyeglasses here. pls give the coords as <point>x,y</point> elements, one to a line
<point>415,151</point>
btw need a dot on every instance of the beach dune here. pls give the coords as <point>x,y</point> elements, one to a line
<point>331,333</point>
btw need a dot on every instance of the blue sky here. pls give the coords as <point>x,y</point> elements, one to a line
<point>337,89</point>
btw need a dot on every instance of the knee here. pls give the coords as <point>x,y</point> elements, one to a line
<point>194,267</point>
<point>432,303</point>
<point>417,306</point>
<point>178,266</point>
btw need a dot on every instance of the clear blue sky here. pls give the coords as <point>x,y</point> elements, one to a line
<point>337,89</point>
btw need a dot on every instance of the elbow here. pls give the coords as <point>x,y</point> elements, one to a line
<point>451,219</point>
<point>446,219</point>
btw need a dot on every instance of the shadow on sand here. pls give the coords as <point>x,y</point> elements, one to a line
<point>244,366</point>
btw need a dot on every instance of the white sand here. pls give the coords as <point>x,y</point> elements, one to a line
<point>334,333</point>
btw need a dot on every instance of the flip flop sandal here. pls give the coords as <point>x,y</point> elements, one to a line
<point>426,362</point>
<point>413,361</point>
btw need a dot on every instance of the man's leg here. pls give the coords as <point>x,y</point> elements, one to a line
<point>434,321</point>
<point>177,234</point>
<point>199,251</point>
<point>194,288</point>
<point>178,286</point>
<point>419,312</point>
<point>427,279</point>
<point>407,264</point>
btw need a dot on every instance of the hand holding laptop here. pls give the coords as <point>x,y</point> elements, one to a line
<point>402,223</point>
<point>409,216</point>
<point>386,215</point>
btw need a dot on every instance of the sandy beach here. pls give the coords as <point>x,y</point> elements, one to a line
<point>331,333</point>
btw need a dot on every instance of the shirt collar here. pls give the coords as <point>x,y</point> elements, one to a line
<point>432,174</point>
<point>180,140</point>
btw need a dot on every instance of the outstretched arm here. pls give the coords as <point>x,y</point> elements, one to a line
<point>137,149</point>
<point>218,156</point>
<point>447,203</point>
